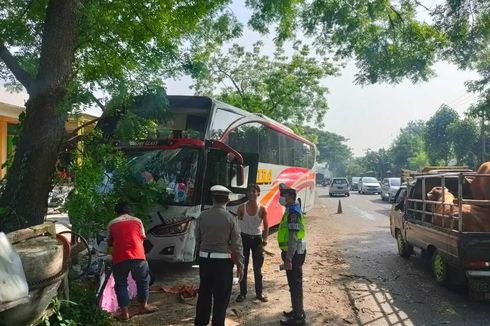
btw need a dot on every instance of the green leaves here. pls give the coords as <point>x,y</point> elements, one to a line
<point>464,138</point>
<point>437,140</point>
<point>287,89</point>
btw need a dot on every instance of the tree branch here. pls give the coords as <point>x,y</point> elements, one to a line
<point>29,5</point>
<point>13,65</point>
<point>98,102</point>
<point>422,5</point>
<point>74,134</point>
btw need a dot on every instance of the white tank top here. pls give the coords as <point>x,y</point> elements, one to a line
<point>251,224</point>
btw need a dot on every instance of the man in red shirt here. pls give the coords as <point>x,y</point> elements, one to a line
<point>126,235</point>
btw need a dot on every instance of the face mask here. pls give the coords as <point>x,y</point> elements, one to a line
<point>282,201</point>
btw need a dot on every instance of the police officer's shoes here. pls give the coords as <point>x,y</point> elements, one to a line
<point>240,298</point>
<point>287,314</point>
<point>294,320</point>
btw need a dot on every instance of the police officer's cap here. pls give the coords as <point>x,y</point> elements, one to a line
<point>220,190</point>
<point>285,189</point>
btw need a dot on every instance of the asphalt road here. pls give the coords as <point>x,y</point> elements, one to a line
<point>391,290</point>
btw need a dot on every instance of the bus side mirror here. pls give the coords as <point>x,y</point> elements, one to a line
<point>240,177</point>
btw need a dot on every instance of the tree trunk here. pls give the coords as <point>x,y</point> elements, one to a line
<point>24,200</point>
<point>29,178</point>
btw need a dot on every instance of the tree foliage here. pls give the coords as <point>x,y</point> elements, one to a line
<point>442,138</point>
<point>287,89</point>
<point>437,138</point>
<point>464,140</point>
<point>409,143</point>
<point>333,150</point>
<point>130,43</point>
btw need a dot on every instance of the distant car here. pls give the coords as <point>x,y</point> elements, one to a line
<point>339,186</point>
<point>389,187</point>
<point>326,182</point>
<point>319,178</point>
<point>369,185</point>
<point>354,184</point>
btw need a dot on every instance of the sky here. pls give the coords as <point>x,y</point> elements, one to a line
<point>370,117</point>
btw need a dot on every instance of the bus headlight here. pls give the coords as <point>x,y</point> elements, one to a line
<point>171,229</point>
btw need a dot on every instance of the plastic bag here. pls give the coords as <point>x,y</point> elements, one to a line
<point>12,278</point>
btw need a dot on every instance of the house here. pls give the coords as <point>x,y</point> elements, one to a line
<point>9,118</point>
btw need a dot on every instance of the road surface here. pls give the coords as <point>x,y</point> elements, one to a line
<point>395,291</point>
<point>352,276</point>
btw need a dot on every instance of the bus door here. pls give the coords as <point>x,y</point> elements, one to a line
<point>223,168</point>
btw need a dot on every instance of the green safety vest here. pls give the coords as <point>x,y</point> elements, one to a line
<point>283,231</point>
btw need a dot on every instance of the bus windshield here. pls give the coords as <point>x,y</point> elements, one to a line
<point>176,169</point>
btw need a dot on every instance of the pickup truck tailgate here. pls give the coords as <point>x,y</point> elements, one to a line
<point>474,247</point>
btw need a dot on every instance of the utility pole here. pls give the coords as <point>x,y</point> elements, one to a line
<point>483,136</point>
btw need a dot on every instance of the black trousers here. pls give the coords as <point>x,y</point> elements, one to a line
<point>295,282</point>
<point>252,243</point>
<point>216,281</point>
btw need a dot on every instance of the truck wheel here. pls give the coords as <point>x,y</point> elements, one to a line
<point>440,268</point>
<point>404,249</point>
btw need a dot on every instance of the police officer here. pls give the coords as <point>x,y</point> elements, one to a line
<point>217,237</point>
<point>291,234</point>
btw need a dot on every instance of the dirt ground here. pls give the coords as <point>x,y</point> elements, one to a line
<point>327,280</point>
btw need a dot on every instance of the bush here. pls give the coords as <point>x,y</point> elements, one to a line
<point>82,309</point>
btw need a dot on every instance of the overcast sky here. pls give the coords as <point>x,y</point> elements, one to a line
<point>371,116</point>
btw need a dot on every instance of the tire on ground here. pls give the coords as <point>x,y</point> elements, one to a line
<point>405,250</point>
<point>440,268</point>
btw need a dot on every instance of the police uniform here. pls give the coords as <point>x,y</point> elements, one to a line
<point>218,237</point>
<point>291,239</point>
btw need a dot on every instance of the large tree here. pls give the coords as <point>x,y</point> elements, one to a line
<point>437,137</point>
<point>464,140</point>
<point>333,149</point>
<point>284,88</point>
<point>62,51</point>
<point>407,145</point>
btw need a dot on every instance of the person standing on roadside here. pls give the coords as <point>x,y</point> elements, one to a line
<point>217,237</point>
<point>252,220</point>
<point>125,236</point>
<point>291,239</point>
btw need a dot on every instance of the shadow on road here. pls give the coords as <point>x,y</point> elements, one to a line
<point>386,289</point>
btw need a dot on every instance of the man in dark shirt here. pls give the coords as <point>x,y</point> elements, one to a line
<point>217,237</point>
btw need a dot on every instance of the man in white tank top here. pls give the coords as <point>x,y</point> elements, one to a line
<point>252,220</point>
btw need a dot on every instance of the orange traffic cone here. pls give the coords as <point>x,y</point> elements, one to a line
<point>339,208</point>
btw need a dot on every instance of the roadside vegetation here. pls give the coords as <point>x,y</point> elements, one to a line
<point>444,139</point>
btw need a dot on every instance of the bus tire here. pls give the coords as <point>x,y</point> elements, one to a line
<point>404,249</point>
<point>440,268</point>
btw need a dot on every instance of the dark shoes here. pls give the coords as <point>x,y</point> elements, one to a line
<point>262,298</point>
<point>292,319</point>
<point>240,298</point>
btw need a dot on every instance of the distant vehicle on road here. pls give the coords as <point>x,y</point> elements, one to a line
<point>326,182</point>
<point>319,178</point>
<point>339,186</point>
<point>369,185</point>
<point>445,215</point>
<point>389,187</point>
<point>354,184</point>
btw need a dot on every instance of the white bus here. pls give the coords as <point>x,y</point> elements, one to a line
<point>207,142</point>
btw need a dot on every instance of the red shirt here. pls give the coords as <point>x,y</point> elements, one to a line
<point>126,233</point>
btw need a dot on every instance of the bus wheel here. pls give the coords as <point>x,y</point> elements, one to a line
<point>440,268</point>
<point>404,249</point>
